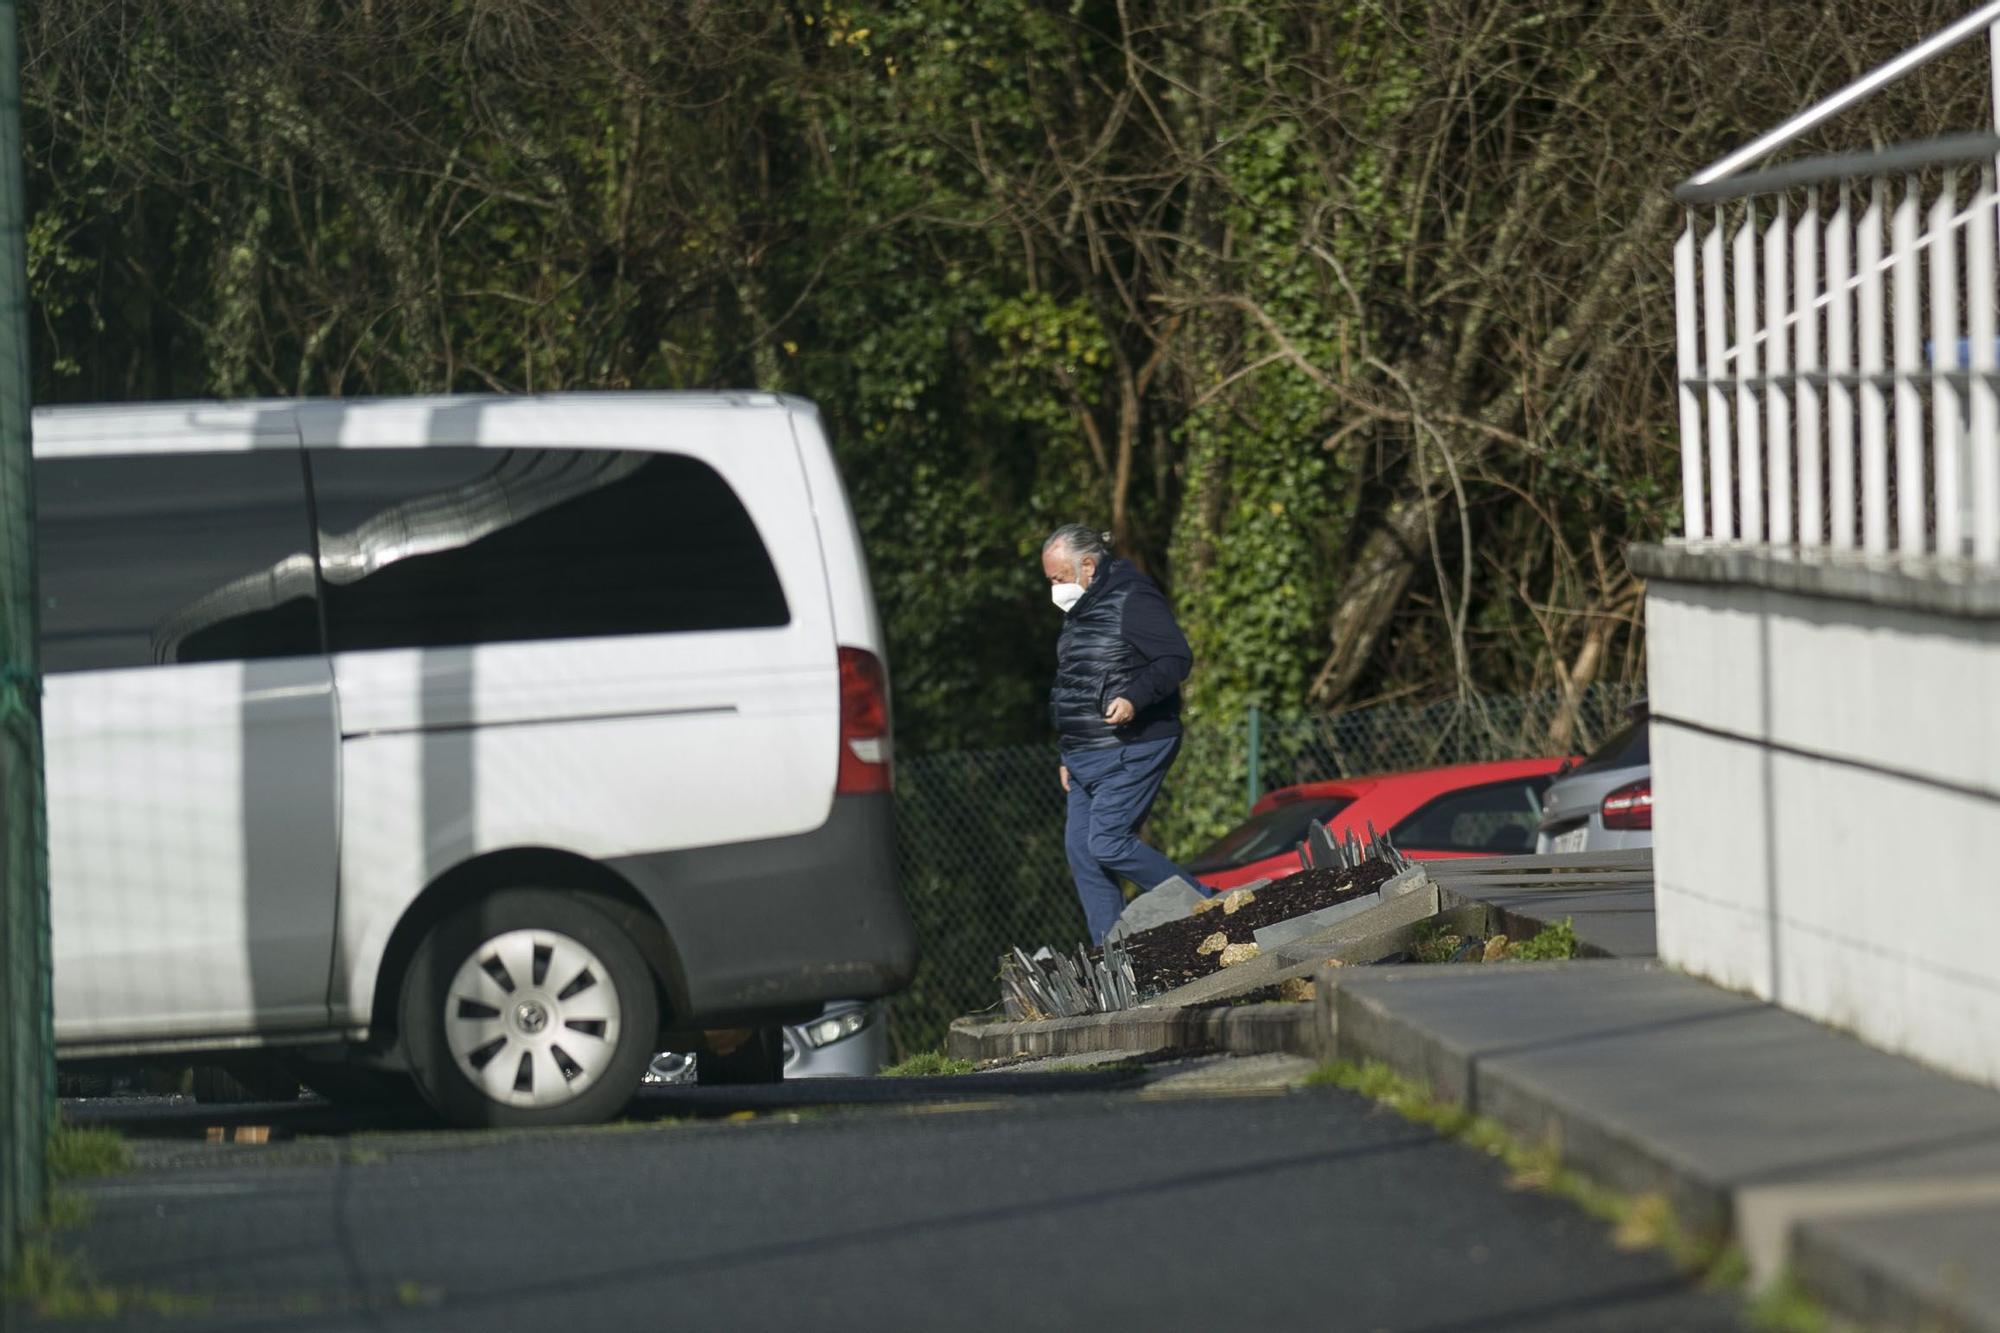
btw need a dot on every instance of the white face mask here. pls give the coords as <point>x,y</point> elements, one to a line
<point>1066,595</point>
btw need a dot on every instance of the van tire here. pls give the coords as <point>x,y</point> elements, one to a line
<point>446,973</point>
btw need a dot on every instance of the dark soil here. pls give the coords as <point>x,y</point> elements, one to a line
<point>1165,957</point>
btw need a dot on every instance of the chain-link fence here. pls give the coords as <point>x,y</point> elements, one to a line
<point>980,836</point>
<point>1395,738</point>
<point>981,831</point>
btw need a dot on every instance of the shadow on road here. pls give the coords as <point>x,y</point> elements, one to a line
<point>272,1122</point>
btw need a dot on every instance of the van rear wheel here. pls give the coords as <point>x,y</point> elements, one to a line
<point>529,1007</point>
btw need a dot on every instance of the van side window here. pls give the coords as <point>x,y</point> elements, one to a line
<point>443,547</point>
<point>161,558</point>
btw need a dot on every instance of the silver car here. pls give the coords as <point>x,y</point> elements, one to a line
<point>849,1039</point>
<point>1605,803</point>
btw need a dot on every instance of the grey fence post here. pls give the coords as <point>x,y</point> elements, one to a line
<point>27,1066</point>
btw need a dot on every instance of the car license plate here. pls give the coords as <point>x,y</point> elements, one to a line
<point>1570,841</point>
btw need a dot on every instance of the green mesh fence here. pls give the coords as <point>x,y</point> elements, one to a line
<point>27,1067</point>
<point>980,848</point>
<point>980,832</point>
<point>1452,731</point>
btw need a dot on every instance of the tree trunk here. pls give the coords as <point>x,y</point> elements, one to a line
<point>1368,599</point>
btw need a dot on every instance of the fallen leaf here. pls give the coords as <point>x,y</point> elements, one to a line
<point>1238,953</point>
<point>1496,949</point>
<point>1206,905</point>
<point>1215,943</point>
<point>1297,989</point>
<point>1232,903</point>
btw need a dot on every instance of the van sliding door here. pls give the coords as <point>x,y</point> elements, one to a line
<point>191,744</point>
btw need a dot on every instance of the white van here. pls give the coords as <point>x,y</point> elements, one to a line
<point>501,740</point>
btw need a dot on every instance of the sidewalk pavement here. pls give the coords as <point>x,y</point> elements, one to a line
<point>1872,1180</point>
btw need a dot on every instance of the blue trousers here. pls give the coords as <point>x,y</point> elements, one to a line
<point>1110,791</point>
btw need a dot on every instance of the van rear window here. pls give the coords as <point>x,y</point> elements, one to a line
<point>423,548</point>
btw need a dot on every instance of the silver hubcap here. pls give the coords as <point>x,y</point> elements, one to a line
<point>532,1018</point>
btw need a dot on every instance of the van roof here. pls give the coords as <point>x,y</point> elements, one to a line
<point>194,426</point>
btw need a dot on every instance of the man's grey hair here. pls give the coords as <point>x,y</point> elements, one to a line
<point>1080,542</point>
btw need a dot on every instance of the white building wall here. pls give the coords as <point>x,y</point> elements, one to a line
<point>1826,778</point>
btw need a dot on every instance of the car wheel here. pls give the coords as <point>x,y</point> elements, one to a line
<point>529,1007</point>
<point>758,1060</point>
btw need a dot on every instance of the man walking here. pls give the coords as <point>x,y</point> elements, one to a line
<point>1116,703</point>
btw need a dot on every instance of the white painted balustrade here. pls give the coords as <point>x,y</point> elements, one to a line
<point>1836,342</point>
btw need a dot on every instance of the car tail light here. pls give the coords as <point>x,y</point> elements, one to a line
<point>1630,807</point>
<point>864,724</point>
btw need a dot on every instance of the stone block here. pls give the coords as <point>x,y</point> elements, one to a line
<point>1407,881</point>
<point>1284,932</point>
<point>1158,905</point>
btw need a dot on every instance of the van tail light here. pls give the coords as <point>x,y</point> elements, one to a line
<point>1630,807</point>
<point>864,724</point>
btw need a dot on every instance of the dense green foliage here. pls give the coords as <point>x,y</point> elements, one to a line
<point>1351,320</point>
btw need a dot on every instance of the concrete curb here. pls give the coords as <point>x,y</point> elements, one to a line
<point>1251,1029</point>
<point>1357,1028</point>
<point>1848,1268</point>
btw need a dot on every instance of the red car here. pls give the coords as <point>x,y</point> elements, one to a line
<point>1433,813</point>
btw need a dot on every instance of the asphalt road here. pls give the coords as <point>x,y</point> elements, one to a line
<point>1004,1202</point>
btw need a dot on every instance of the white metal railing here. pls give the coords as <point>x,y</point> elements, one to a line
<point>1835,338</point>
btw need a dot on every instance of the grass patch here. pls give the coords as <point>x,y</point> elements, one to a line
<point>927,1064</point>
<point>60,1286</point>
<point>1437,941</point>
<point>1783,1307</point>
<point>1638,1222</point>
<point>66,1210</point>
<point>1551,942</point>
<point>75,1153</point>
